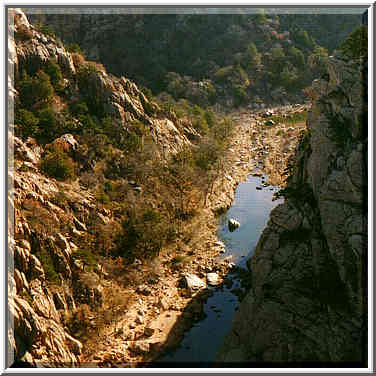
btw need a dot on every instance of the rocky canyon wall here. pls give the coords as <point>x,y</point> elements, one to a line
<point>308,298</point>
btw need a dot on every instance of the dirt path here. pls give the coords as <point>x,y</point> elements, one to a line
<point>158,314</point>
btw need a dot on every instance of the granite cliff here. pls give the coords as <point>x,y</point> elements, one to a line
<point>308,300</point>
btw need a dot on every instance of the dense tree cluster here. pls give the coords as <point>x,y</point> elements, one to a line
<point>208,58</point>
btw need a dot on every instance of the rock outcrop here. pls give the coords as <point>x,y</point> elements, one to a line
<point>47,218</point>
<point>308,299</point>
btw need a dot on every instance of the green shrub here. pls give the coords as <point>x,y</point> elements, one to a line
<point>54,71</point>
<point>86,255</point>
<point>102,197</point>
<point>35,90</point>
<point>46,260</point>
<point>86,78</point>
<point>252,58</point>
<point>27,123</point>
<point>356,44</point>
<point>78,108</point>
<point>74,48</point>
<point>240,96</point>
<point>222,75</point>
<point>210,118</point>
<point>303,39</point>
<point>58,165</point>
<point>289,78</point>
<point>46,29</point>
<point>48,124</point>
<point>60,199</point>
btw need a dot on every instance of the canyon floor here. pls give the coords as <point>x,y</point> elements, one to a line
<point>161,309</point>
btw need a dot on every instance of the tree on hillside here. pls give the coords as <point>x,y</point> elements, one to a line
<point>356,44</point>
<point>296,57</point>
<point>252,60</point>
<point>318,60</point>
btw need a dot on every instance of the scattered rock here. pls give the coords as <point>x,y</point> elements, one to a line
<point>148,332</point>
<point>233,224</point>
<point>213,279</point>
<point>193,282</point>
<point>270,122</point>
<point>79,225</point>
<point>163,304</point>
<point>140,347</point>
<point>144,290</point>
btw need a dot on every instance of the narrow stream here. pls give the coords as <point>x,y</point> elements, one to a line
<point>251,208</point>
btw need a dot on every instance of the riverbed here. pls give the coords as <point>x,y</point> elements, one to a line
<point>251,207</point>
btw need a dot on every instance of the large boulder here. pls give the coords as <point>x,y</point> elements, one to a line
<point>192,282</point>
<point>233,224</point>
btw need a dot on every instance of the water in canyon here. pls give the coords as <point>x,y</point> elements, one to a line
<point>251,207</point>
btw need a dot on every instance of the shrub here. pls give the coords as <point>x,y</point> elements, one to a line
<point>39,218</point>
<point>60,199</point>
<point>27,123</point>
<point>48,124</point>
<point>102,197</point>
<point>74,48</point>
<point>58,165</point>
<point>86,255</point>
<point>207,154</point>
<point>78,108</point>
<point>87,83</point>
<point>46,29</point>
<point>54,71</point>
<point>356,44</point>
<point>143,234</point>
<point>46,260</point>
<point>240,96</point>
<point>302,38</point>
<point>35,90</point>
<point>210,118</point>
<point>222,75</point>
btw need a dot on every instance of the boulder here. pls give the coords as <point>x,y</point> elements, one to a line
<point>148,332</point>
<point>233,224</point>
<point>213,279</point>
<point>69,138</point>
<point>193,282</point>
<point>269,122</point>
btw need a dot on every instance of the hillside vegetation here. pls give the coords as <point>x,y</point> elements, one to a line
<point>234,59</point>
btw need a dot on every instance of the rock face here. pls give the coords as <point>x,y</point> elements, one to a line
<point>40,250</point>
<point>308,298</point>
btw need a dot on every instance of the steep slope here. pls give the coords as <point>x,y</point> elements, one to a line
<point>308,299</point>
<point>56,217</point>
<point>247,57</point>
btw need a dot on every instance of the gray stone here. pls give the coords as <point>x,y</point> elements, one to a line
<point>233,224</point>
